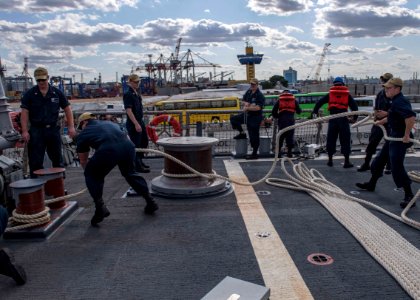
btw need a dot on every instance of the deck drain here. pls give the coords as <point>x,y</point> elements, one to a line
<point>320,259</point>
<point>263,193</point>
<point>262,235</point>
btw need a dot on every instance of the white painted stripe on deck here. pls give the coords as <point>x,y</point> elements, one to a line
<point>279,272</point>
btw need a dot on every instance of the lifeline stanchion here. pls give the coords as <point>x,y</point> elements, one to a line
<point>54,185</point>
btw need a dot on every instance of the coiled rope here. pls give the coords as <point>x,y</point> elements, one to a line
<point>21,221</point>
<point>398,256</point>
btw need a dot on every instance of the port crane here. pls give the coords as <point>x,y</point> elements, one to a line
<point>176,65</point>
<point>320,63</point>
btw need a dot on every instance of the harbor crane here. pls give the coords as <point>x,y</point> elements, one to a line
<point>177,66</point>
<point>320,63</point>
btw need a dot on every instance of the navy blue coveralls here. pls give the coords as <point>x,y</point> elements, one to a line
<point>285,119</point>
<point>395,151</point>
<point>44,128</point>
<point>376,134</point>
<point>252,119</point>
<point>338,127</point>
<point>112,147</point>
<point>140,139</point>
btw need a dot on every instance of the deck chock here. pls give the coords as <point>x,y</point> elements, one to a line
<point>58,217</point>
<point>233,289</point>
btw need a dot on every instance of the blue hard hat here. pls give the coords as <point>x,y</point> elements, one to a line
<point>338,80</point>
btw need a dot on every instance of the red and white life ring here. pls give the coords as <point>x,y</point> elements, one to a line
<point>151,127</point>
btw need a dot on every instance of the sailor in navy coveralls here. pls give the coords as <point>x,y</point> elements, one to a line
<point>40,122</point>
<point>400,121</point>
<point>112,147</point>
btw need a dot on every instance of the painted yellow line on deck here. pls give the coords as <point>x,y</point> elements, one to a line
<point>277,267</point>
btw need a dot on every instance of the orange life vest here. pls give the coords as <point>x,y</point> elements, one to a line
<point>287,102</point>
<point>339,97</point>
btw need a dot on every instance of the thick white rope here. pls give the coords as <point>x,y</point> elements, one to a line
<point>368,115</point>
<point>398,256</point>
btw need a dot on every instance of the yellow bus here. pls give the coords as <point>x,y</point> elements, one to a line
<point>191,105</point>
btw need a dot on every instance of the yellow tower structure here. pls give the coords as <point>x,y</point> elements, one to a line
<point>250,60</point>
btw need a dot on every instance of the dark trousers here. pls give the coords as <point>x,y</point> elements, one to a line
<point>4,217</point>
<point>44,139</point>
<point>375,138</point>
<point>395,153</point>
<point>104,160</point>
<point>140,140</point>
<point>288,135</point>
<point>252,125</point>
<point>338,128</point>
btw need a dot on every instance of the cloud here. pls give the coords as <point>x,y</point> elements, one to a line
<point>50,6</point>
<point>290,29</point>
<point>279,7</point>
<point>365,21</point>
<point>73,68</point>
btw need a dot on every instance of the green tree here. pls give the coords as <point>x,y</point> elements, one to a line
<point>277,78</point>
<point>266,84</point>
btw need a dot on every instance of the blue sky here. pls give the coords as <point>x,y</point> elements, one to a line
<point>74,37</point>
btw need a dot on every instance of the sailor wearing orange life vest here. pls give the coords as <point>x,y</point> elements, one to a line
<point>284,111</point>
<point>339,100</point>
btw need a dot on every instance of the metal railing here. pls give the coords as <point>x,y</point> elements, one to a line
<point>222,130</point>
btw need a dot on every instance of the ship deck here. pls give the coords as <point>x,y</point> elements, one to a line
<point>190,245</point>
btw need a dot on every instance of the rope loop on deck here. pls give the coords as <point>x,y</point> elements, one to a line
<point>22,221</point>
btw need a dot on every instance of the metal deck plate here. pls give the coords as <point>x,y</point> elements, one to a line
<point>232,288</point>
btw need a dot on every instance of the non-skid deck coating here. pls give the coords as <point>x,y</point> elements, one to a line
<point>189,246</point>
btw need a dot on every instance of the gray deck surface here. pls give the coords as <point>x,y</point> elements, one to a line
<point>189,246</point>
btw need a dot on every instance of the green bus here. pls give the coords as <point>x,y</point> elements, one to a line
<point>306,101</point>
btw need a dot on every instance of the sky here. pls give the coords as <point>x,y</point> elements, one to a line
<point>85,38</point>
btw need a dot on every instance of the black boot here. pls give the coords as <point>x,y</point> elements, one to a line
<point>10,269</point>
<point>101,212</point>
<point>330,161</point>
<point>151,205</point>
<point>254,155</point>
<point>347,163</point>
<point>368,186</point>
<point>408,196</point>
<point>240,136</point>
